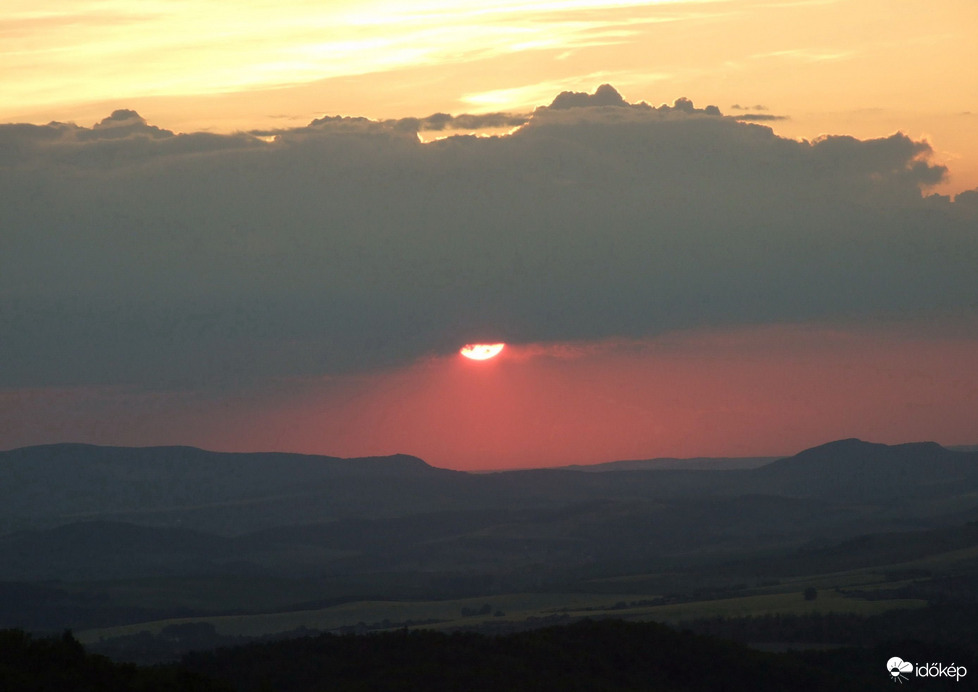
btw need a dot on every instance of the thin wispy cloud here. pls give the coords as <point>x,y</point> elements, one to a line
<point>808,54</point>
<point>168,48</point>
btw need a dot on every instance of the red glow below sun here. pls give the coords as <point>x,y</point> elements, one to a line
<point>481,351</point>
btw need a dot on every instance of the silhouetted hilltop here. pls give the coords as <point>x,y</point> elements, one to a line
<point>394,527</point>
<point>849,469</point>
<point>55,484</point>
<point>869,455</point>
<point>166,459</point>
<point>234,493</point>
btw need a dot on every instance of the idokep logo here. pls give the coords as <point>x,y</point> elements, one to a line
<point>900,670</point>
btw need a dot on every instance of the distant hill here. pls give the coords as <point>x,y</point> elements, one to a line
<point>853,470</point>
<point>55,484</point>
<point>178,518</point>
<point>184,487</point>
<point>676,464</point>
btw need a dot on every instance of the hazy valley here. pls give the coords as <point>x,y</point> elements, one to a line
<point>96,537</point>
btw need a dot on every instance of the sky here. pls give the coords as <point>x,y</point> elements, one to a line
<point>702,228</point>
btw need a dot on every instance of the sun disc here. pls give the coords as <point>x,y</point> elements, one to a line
<point>481,351</point>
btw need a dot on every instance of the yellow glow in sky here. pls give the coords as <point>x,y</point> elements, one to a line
<point>61,51</point>
<point>862,67</point>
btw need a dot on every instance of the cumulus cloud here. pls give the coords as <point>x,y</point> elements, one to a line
<point>469,121</point>
<point>436,122</point>
<point>607,97</point>
<point>124,136</point>
<point>604,95</point>
<point>123,123</point>
<point>158,258</point>
<point>968,198</point>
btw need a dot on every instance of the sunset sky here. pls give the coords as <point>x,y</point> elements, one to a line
<point>265,225</point>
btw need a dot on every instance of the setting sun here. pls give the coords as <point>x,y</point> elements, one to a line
<point>481,351</point>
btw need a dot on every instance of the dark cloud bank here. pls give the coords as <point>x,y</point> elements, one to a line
<point>133,254</point>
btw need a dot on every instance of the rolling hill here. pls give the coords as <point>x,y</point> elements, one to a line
<point>119,528</point>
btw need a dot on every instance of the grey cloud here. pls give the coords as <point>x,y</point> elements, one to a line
<point>349,245</point>
<point>968,198</point>
<point>607,97</point>
<point>122,123</point>
<point>438,122</point>
<point>760,117</point>
<point>753,115</point>
<point>435,122</point>
<point>567,104</point>
<point>122,138</point>
<point>686,106</point>
<point>604,95</point>
<point>470,121</point>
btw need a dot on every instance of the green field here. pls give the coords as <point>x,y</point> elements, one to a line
<point>767,604</point>
<point>267,606</point>
<point>514,608</point>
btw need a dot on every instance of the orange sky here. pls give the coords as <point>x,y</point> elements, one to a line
<point>865,68</point>
<point>861,67</point>
<point>768,391</point>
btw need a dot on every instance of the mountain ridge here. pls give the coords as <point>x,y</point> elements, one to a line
<point>233,493</point>
<point>328,528</point>
<point>68,447</point>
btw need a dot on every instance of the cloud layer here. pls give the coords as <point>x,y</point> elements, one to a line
<point>132,254</point>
